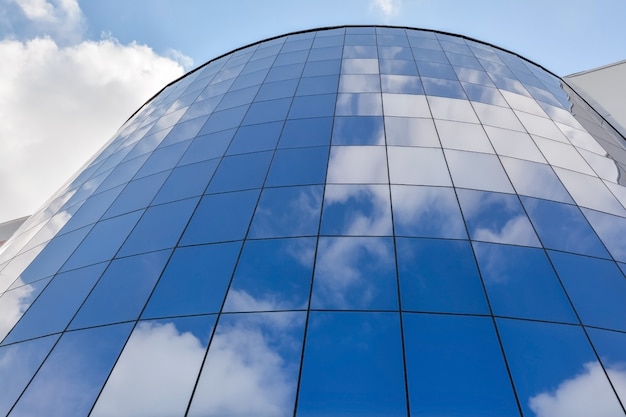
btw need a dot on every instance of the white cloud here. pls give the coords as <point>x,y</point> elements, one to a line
<point>587,394</point>
<point>62,20</point>
<point>387,8</point>
<point>60,104</point>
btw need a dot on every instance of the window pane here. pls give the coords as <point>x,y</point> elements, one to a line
<point>439,276</point>
<point>306,132</point>
<point>298,166</point>
<point>261,137</point>
<point>194,282</point>
<point>362,164</point>
<point>358,131</point>
<point>241,172</point>
<point>354,273</point>
<point>535,180</point>
<point>405,131</point>
<point>333,375</point>
<point>477,170</point>
<point>463,136</point>
<point>417,166</point>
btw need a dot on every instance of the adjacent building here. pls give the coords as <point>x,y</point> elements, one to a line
<point>350,221</point>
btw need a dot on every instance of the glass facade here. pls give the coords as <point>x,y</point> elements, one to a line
<point>354,221</point>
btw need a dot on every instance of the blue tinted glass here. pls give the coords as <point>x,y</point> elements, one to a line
<point>141,370</point>
<point>475,379</point>
<point>47,315</point>
<point>596,287</point>
<point>195,281</point>
<point>333,375</point>
<point>324,54</point>
<point>440,276</point>
<point>356,210</point>
<point>443,88</point>
<point>546,376</point>
<point>299,166</point>
<point>254,357</point>
<point>285,72</point>
<point>69,381</point>
<point>430,55</point>
<point>611,229</point>
<point>484,94</point>
<point>288,211</point>
<point>359,104</point>
<point>103,242</point>
<point>520,282</point>
<point>318,85</point>
<point>401,84</point>
<point>122,173</point>
<point>261,137</point>
<point>122,291</point>
<point>226,119</point>
<point>207,147</point>
<point>91,210</point>
<point>563,227</point>
<point>16,301</point>
<point>279,89</point>
<point>237,98</point>
<point>152,233</point>
<point>313,106</point>
<point>355,273</point>
<point>326,41</point>
<point>272,275</point>
<point>306,132</point>
<point>611,347</point>
<point>326,67</point>
<point>434,70</point>
<point>191,128</point>
<point>463,60</point>
<point>359,83</point>
<point>18,363</point>
<point>186,181</point>
<point>426,212</point>
<point>395,52</point>
<point>267,111</point>
<point>250,79</point>
<point>358,131</point>
<point>240,172</point>
<point>137,194</point>
<point>399,67</point>
<point>495,217</point>
<point>221,217</point>
<point>360,39</point>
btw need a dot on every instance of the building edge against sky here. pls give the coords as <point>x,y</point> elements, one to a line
<point>356,220</point>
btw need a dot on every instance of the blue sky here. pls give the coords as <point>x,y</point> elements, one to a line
<point>74,70</point>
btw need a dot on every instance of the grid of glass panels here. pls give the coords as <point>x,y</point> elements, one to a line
<point>350,221</point>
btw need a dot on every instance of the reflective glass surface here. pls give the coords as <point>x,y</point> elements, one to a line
<point>350,221</point>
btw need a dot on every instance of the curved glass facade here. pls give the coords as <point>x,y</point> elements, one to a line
<point>355,221</point>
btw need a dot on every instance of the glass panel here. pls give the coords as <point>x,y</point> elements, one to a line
<point>221,217</point>
<point>563,155</point>
<point>439,276</point>
<point>497,116</point>
<point>540,126</point>
<point>477,170</point>
<point>279,89</point>
<point>399,67</point>
<point>611,230</point>
<point>241,172</point>
<point>443,88</point>
<point>417,166</point>
<point>261,137</point>
<point>411,132</point>
<point>298,166</point>
<point>592,283</point>
<point>18,363</point>
<point>267,111</point>
<point>207,147</point>
<point>463,136</point>
<point>359,66</point>
<point>563,227</point>
<point>333,375</point>
<point>226,119</point>
<point>306,132</point>
<point>401,84</point>
<point>251,367</point>
<point>288,211</point>
<point>137,194</point>
<point>535,180</point>
<point>157,369</point>
<point>194,282</point>
<point>356,210</point>
<point>528,105</point>
<point>475,381</point>
<point>327,66</point>
<point>70,379</point>
<point>590,192</point>
<point>497,218</point>
<point>186,181</point>
<point>405,105</point>
<point>611,347</point>
<point>359,84</point>
<point>359,104</point>
<point>15,302</point>
<point>318,85</point>
<point>358,131</point>
<point>122,291</point>
<point>514,144</point>
<point>355,273</point>
<point>452,109</point>
<point>521,283</point>
<point>103,242</point>
<point>484,94</point>
<point>426,212</point>
<point>549,382</point>
<point>321,105</point>
<point>153,233</point>
<point>357,164</point>
<point>285,72</point>
<point>272,275</point>
<point>49,314</point>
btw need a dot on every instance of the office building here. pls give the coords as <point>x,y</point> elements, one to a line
<point>350,221</point>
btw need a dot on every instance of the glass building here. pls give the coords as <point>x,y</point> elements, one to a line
<point>352,221</point>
